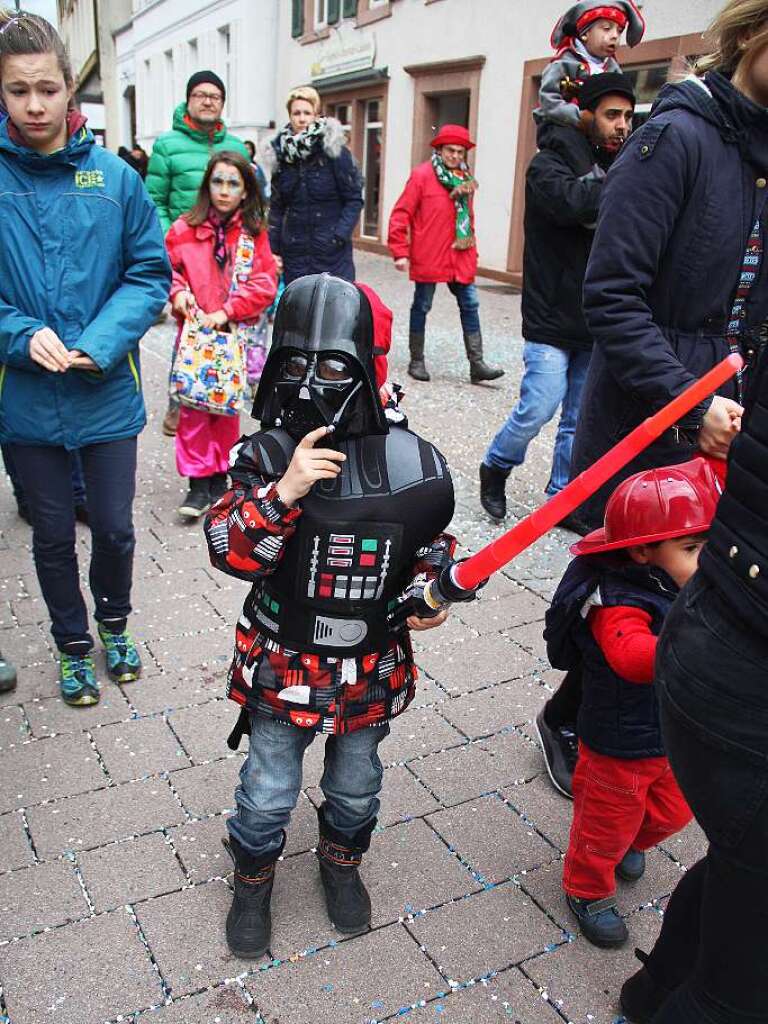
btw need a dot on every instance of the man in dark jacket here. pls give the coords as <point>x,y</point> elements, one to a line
<point>563,188</point>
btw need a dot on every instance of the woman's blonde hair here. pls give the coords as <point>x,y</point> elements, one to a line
<point>304,92</point>
<point>738,33</point>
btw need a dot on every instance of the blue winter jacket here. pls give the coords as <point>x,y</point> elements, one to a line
<point>675,216</point>
<point>81,252</point>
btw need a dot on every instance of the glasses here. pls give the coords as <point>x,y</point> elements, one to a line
<point>233,184</point>
<point>207,97</point>
<point>328,368</point>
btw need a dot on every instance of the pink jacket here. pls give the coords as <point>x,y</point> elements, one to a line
<point>190,251</point>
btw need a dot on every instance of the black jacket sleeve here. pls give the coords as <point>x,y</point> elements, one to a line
<point>562,196</point>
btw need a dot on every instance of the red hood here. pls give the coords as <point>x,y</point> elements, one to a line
<point>75,121</point>
<point>382,331</point>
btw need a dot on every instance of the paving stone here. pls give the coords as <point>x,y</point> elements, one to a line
<point>509,997</point>
<point>417,732</point>
<point>300,920</point>
<point>165,691</point>
<point>477,663</point>
<point>687,846</point>
<point>408,869</point>
<point>27,647</point>
<point>85,822</point>
<point>210,649</point>
<point>495,708</point>
<point>45,769</point>
<point>87,973</point>
<point>169,590</point>
<point>502,613</point>
<point>137,748</point>
<point>40,897</point>
<point>584,982</point>
<point>482,933</point>
<point>546,809</point>
<point>223,1005</point>
<point>198,843</point>
<point>52,715</point>
<point>453,631</point>
<point>530,637</point>
<point>227,597</point>
<point>491,838</point>
<point>209,788</point>
<point>204,729</point>
<point>13,727</point>
<point>16,851</point>
<point>427,692</point>
<point>372,977</point>
<point>185,932</point>
<point>481,767</point>
<point>130,871</point>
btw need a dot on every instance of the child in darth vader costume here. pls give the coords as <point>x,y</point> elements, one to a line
<point>336,517</point>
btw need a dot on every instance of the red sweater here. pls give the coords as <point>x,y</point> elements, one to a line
<point>624,636</point>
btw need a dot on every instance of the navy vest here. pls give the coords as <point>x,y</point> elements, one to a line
<point>617,718</point>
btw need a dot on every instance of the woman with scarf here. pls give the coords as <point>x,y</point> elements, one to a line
<point>432,235</point>
<point>316,192</point>
<point>223,271</point>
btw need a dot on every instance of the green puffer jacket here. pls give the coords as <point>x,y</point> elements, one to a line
<point>178,162</point>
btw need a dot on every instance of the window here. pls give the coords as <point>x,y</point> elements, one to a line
<point>169,90</point>
<point>192,56</point>
<point>647,81</point>
<point>343,113</point>
<point>372,145</point>
<point>225,59</point>
<point>321,14</point>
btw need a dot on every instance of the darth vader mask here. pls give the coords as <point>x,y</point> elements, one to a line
<point>320,367</point>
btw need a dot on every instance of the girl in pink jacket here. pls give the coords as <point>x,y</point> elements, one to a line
<point>201,246</point>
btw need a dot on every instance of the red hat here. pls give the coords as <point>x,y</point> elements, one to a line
<point>605,13</point>
<point>452,135</point>
<point>656,505</point>
<point>583,13</point>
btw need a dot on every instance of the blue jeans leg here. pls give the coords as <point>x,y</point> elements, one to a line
<point>352,778</point>
<point>542,389</point>
<point>423,294</point>
<point>578,364</point>
<point>270,783</point>
<point>469,306</point>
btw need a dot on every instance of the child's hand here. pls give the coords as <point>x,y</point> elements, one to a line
<point>212,320</point>
<point>414,622</point>
<point>308,465</point>
<point>182,303</point>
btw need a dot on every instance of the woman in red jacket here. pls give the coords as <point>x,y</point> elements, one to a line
<point>202,245</point>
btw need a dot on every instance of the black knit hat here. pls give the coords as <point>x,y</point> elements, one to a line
<point>609,83</point>
<point>205,76</point>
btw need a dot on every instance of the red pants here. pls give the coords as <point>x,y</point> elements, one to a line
<point>617,804</point>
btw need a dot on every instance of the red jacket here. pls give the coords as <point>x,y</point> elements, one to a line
<point>190,251</point>
<point>422,226</point>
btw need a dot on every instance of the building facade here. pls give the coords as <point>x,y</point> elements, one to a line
<point>394,71</point>
<point>164,41</point>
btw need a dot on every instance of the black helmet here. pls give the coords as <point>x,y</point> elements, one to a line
<point>320,371</point>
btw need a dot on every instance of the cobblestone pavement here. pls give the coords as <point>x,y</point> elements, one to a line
<point>113,881</point>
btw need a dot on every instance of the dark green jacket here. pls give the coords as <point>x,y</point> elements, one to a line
<point>178,162</point>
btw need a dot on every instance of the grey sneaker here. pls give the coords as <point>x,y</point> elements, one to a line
<point>561,750</point>
<point>7,675</point>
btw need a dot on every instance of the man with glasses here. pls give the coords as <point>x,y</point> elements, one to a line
<point>179,159</point>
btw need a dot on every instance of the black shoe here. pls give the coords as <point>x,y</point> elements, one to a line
<point>599,921</point>
<point>632,865</point>
<point>346,898</point>
<point>561,751</point>
<point>417,367</point>
<point>249,921</point>
<point>492,495</point>
<point>479,370</point>
<point>575,525</point>
<point>641,997</point>
<point>219,486</point>
<point>198,499</point>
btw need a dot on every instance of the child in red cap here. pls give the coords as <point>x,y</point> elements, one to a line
<point>585,40</point>
<point>606,616</point>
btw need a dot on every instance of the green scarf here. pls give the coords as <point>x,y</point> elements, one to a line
<point>465,238</point>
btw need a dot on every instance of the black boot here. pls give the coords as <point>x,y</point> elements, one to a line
<point>198,499</point>
<point>417,367</point>
<point>219,486</point>
<point>641,997</point>
<point>600,921</point>
<point>339,857</point>
<point>631,867</point>
<point>249,922</point>
<point>478,369</point>
<point>492,496</point>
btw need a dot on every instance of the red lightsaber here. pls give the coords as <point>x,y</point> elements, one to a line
<point>466,575</point>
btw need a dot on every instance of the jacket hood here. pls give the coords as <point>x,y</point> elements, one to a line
<point>180,125</point>
<point>693,95</point>
<point>334,140</point>
<point>79,142</point>
<point>570,143</point>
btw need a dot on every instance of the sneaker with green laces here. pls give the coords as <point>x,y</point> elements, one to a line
<point>123,661</point>
<point>77,679</point>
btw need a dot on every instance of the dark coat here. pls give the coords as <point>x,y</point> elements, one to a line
<point>675,217</point>
<point>562,191</point>
<point>314,208</point>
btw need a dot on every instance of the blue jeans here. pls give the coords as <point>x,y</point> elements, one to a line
<point>271,778</point>
<point>466,297</point>
<point>552,376</point>
<point>109,470</point>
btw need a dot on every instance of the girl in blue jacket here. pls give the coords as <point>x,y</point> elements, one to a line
<point>83,274</point>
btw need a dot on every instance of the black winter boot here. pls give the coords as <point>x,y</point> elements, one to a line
<point>478,369</point>
<point>249,922</point>
<point>641,997</point>
<point>417,367</point>
<point>219,486</point>
<point>198,499</point>
<point>339,858</point>
<point>492,496</point>
<point>631,867</point>
<point>599,920</point>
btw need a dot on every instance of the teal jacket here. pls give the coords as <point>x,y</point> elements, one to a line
<point>81,252</point>
<point>178,162</point>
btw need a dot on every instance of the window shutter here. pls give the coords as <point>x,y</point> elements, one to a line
<point>297,18</point>
<point>333,12</point>
<point>350,8</point>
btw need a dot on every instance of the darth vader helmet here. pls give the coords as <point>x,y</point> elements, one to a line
<point>320,369</point>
